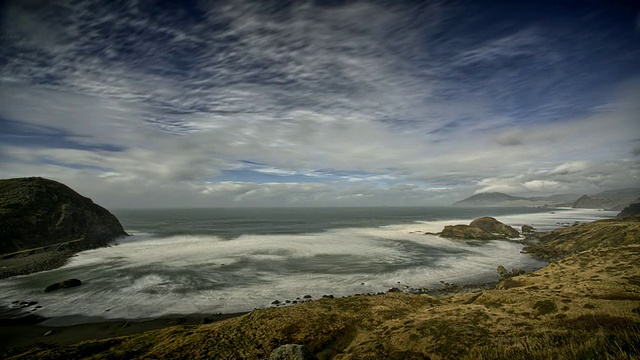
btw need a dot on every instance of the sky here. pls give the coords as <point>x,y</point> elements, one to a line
<point>144,104</point>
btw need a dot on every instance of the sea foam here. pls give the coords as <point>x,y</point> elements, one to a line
<point>146,276</point>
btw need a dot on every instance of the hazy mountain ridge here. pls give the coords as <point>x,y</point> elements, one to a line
<point>608,200</point>
<point>502,199</point>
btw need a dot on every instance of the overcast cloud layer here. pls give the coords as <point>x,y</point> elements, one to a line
<point>329,103</point>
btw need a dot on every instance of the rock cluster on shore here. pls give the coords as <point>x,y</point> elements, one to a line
<point>484,228</point>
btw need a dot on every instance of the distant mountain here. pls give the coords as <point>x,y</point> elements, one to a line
<point>502,199</point>
<point>587,202</point>
<point>487,199</point>
<point>609,200</point>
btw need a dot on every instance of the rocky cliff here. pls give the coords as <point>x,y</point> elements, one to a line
<point>631,210</point>
<point>37,212</point>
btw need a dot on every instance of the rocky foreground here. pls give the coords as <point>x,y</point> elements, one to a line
<point>584,305</point>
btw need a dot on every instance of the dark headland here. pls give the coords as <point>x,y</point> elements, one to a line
<point>43,223</point>
<point>584,305</point>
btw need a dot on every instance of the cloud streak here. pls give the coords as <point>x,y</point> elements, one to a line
<point>362,103</point>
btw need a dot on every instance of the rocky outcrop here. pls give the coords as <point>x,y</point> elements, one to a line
<point>631,210</point>
<point>63,285</point>
<point>526,229</point>
<point>494,226</point>
<point>466,232</point>
<point>504,274</point>
<point>485,228</point>
<point>564,242</point>
<point>37,212</point>
<point>292,352</point>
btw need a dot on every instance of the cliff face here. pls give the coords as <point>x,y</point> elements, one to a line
<point>36,212</point>
<point>631,210</point>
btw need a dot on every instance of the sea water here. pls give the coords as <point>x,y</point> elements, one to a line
<point>183,261</point>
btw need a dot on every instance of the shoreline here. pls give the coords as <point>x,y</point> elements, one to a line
<point>23,332</point>
<point>21,329</point>
<point>32,263</point>
<point>29,329</point>
<point>50,257</point>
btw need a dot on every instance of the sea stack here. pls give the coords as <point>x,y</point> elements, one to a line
<point>37,212</point>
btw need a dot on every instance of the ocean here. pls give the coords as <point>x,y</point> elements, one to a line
<point>185,261</point>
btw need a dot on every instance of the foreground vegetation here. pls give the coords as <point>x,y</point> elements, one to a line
<point>583,306</point>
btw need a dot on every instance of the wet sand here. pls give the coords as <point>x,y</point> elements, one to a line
<point>25,331</point>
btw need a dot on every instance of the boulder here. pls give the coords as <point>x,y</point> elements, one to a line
<point>502,272</point>
<point>527,229</point>
<point>517,272</point>
<point>292,352</point>
<point>494,226</point>
<point>63,285</point>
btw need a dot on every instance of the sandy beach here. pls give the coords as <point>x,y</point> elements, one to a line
<point>19,333</point>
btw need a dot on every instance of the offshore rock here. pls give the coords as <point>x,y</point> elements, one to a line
<point>63,285</point>
<point>466,232</point>
<point>485,228</point>
<point>37,212</point>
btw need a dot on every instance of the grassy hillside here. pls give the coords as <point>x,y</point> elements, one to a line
<point>600,234</point>
<point>584,306</point>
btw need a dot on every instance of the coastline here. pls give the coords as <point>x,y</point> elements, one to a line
<point>20,332</point>
<point>17,334</point>
<point>32,263</point>
<point>20,329</point>
<point>586,300</point>
<point>45,258</point>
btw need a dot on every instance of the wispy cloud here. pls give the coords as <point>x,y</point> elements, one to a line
<point>271,103</point>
